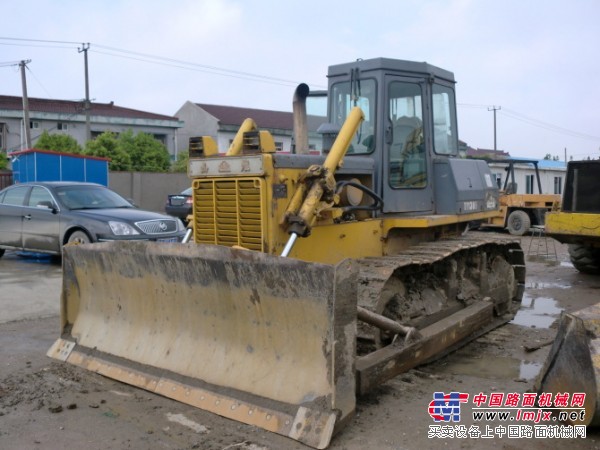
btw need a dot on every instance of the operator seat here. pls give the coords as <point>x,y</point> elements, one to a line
<point>407,135</point>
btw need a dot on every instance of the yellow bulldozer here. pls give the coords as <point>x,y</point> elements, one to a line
<point>573,364</point>
<point>305,280</point>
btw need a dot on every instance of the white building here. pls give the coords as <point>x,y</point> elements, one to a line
<point>552,176</point>
<point>68,117</point>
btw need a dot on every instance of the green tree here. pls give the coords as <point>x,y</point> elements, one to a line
<point>148,154</point>
<point>181,164</point>
<point>107,145</point>
<point>57,143</point>
<point>140,152</point>
<point>549,157</point>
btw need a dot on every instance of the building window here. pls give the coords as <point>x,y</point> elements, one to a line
<point>558,185</point>
<point>34,125</point>
<point>62,126</point>
<point>529,184</point>
<point>278,146</point>
<point>162,138</point>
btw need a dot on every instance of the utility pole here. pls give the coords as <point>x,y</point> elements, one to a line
<point>495,108</point>
<point>88,133</point>
<point>22,65</point>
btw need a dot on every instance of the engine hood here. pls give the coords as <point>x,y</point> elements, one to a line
<point>124,214</point>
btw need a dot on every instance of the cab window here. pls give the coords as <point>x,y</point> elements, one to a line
<point>347,95</point>
<point>444,121</point>
<point>407,160</point>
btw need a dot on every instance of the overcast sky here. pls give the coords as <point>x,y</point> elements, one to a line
<point>538,60</point>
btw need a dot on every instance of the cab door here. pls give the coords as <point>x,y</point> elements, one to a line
<point>407,186</point>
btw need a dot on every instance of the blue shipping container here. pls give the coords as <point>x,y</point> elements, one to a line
<point>44,165</point>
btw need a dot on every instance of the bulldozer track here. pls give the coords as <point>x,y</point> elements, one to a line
<point>431,280</point>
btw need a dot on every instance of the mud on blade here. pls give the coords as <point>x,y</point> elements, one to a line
<point>260,339</point>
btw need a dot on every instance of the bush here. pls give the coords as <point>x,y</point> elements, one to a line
<point>57,143</point>
<point>129,152</point>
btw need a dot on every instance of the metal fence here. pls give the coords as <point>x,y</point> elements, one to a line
<point>6,179</point>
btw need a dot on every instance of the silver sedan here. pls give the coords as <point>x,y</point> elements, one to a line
<point>42,217</point>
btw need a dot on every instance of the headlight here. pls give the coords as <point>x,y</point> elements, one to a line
<point>122,229</point>
<point>180,225</point>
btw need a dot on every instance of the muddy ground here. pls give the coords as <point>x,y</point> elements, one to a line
<point>45,404</point>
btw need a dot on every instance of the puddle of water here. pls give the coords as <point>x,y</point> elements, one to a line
<point>528,370</point>
<point>545,285</point>
<point>492,367</point>
<point>28,269</point>
<point>539,312</point>
<point>549,261</point>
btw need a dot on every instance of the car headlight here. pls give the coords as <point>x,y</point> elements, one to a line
<point>122,229</point>
<point>180,225</point>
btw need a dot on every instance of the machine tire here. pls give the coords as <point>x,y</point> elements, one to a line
<point>585,259</point>
<point>78,237</point>
<point>518,223</point>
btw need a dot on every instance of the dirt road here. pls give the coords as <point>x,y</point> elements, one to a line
<point>48,405</point>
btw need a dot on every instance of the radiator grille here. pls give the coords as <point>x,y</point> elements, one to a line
<point>159,226</point>
<point>228,212</point>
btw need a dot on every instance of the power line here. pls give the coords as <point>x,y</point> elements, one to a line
<point>202,66</point>
<point>38,81</point>
<point>548,126</point>
<point>231,75</point>
<point>38,40</point>
<point>9,63</point>
<point>511,114</point>
<point>36,46</point>
<point>472,105</point>
<point>165,61</point>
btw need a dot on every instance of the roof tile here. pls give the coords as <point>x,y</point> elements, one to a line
<point>10,102</point>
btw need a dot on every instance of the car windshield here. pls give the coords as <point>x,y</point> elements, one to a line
<point>90,197</point>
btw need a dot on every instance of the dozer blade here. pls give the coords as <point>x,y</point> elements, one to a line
<point>263,340</point>
<point>573,364</point>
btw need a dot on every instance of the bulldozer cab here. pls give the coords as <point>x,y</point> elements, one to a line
<point>410,119</point>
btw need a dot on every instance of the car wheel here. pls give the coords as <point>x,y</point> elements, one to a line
<point>1,252</point>
<point>79,237</point>
<point>518,223</point>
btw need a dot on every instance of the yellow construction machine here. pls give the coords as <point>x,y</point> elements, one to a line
<point>518,211</point>
<point>573,365</point>
<point>308,278</point>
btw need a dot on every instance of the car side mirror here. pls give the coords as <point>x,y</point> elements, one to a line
<point>47,204</point>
